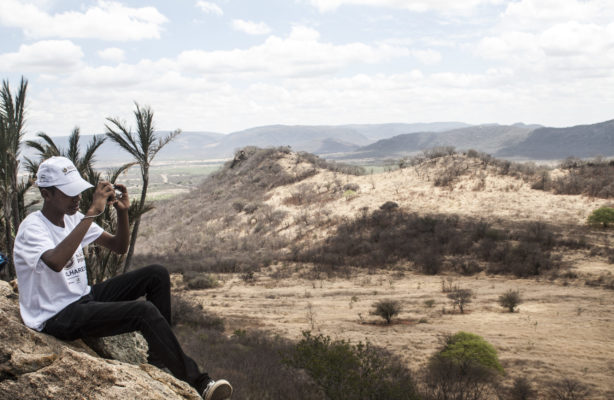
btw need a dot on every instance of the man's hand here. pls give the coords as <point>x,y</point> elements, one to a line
<point>103,191</point>
<point>122,203</point>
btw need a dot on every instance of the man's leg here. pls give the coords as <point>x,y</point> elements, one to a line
<point>152,281</point>
<point>104,313</point>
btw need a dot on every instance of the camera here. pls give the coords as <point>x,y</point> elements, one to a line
<point>118,194</point>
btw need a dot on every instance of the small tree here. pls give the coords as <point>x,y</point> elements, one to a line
<point>465,368</point>
<point>143,147</point>
<point>387,309</point>
<point>522,390</point>
<point>603,216</point>
<point>510,299</point>
<point>460,298</point>
<point>347,371</point>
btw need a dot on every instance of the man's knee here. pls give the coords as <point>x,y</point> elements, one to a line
<point>159,271</point>
<point>147,310</point>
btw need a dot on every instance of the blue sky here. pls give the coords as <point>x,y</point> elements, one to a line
<point>226,65</point>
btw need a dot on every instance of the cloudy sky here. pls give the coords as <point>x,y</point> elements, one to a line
<point>226,65</point>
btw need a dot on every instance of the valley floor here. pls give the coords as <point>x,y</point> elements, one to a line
<point>561,330</point>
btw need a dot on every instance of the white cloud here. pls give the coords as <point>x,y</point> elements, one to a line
<point>108,20</point>
<point>534,15</point>
<point>552,40</point>
<point>209,8</point>
<point>301,53</point>
<point>48,56</point>
<point>112,54</point>
<point>412,5</point>
<point>428,56</point>
<point>251,28</point>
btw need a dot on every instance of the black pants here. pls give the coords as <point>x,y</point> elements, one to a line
<point>111,308</point>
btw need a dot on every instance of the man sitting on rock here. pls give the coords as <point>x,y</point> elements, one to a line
<point>54,295</point>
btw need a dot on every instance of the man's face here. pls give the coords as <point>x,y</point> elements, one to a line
<point>61,202</point>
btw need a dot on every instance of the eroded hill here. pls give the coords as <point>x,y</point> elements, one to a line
<point>295,243</point>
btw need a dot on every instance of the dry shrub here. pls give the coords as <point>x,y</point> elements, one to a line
<point>387,309</point>
<point>593,178</point>
<point>353,372</point>
<point>384,238</point>
<point>568,389</point>
<point>510,300</point>
<point>197,281</point>
<point>184,312</point>
<point>252,361</point>
<point>460,298</point>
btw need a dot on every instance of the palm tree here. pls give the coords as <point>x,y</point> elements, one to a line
<point>143,147</point>
<point>12,121</point>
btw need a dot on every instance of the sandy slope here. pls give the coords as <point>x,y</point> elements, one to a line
<point>563,329</point>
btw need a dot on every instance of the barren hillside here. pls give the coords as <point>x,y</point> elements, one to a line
<point>300,244</point>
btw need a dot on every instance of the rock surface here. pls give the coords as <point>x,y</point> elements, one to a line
<point>34,365</point>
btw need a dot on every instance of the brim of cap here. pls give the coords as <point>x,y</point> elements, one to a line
<point>74,188</point>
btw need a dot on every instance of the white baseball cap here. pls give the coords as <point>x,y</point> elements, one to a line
<point>61,173</point>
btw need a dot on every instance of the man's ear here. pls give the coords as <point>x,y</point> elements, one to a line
<point>46,193</point>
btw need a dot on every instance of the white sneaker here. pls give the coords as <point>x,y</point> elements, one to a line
<point>217,390</point>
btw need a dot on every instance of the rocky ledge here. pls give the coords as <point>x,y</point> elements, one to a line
<point>34,365</point>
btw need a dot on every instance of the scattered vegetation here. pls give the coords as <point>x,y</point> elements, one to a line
<point>510,300</point>
<point>593,178</point>
<point>437,242</point>
<point>197,281</point>
<point>567,389</point>
<point>387,309</point>
<point>237,231</point>
<point>346,371</point>
<point>466,368</point>
<point>460,298</point>
<point>522,390</point>
<point>603,216</point>
<point>252,360</point>
<point>453,164</point>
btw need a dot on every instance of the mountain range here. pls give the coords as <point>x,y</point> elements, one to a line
<point>374,142</point>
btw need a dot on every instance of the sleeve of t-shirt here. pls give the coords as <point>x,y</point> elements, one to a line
<point>31,243</point>
<point>92,234</point>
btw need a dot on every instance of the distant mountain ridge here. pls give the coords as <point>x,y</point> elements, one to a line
<point>381,141</point>
<point>487,138</point>
<point>580,141</point>
<point>319,139</point>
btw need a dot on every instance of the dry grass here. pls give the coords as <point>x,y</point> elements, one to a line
<point>560,331</point>
<point>244,222</point>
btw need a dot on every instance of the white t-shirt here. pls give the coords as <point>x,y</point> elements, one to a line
<point>42,291</point>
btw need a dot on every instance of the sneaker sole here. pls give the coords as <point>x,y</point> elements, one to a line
<point>221,390</point>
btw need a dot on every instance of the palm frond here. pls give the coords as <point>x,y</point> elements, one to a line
<point>95,143</point>
<point>51,149</point>
<point>36,146</point>
<point>73,146</point>
<point>145,129</point>
<point>31,166</point>
<point>163,142</point>
<point>114,173</point>
<point>123,137</point>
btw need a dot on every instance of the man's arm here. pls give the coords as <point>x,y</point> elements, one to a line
<point>120,241</point>
<point>57,257</point>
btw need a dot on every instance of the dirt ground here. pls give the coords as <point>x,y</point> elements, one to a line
<point>564,329</point>
<point>559,331</point>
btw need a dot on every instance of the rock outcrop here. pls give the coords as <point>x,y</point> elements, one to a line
<point>34,365</point>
